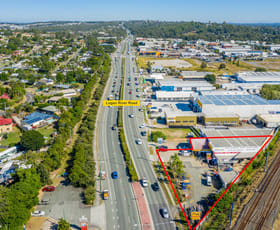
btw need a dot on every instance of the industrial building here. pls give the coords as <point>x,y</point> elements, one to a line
<point>268,120</point>
<point>180,85</point>
<point>193,75</point>
<point>174,95</point>
<point>232,145</point>
<point>179,115</point>
<point>258,77</point>
<point>245,106</point>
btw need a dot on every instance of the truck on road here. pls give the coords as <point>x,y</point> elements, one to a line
<point>105,194</point>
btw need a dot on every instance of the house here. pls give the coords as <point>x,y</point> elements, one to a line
<point>5,96</point>
<point>36,119</point>
<point>6,125</point>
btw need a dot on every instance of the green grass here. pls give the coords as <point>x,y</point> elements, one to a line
<point>46,131</point>
<point>13,138</point>
<point>174,133</point>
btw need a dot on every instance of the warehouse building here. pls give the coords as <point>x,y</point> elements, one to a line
<point>174,95</point>
<point>180,85</point>
<point>245,106</point>
<point>258,77</point>
<point>269,120</point>
<point>193,75</point>
<point>220,119</point>
<point>228,149</point>
<point>179,115</point>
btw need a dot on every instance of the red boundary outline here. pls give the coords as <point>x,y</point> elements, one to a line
<point>158,150</point>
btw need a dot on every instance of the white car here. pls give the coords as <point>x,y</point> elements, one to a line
<point>38,213</point>
<point>139,142</point>
<point>144,182</point>
<point>142,126</point>
<point>185,153</point>
<point>131,115</point>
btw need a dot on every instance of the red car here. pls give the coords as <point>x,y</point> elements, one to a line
<point>130,92</point>
<point>48,189</point>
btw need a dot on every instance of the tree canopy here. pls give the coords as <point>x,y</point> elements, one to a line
<point>32,140</point>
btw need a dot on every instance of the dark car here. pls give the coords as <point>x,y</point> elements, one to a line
<point>155,186</point>
<point>144,133</point>
<point>115,175</point>
<point>162,148</point>
<point>48,189</point>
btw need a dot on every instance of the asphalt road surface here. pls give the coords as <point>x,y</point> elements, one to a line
<point>121,209</point>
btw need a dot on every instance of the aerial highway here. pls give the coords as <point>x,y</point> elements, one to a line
<point>121,209</point>
<point>140,153</point>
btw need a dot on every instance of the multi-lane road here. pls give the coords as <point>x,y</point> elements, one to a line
<point>121,208</point>
<point>140,153</point>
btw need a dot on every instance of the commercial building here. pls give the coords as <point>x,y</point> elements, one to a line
<point>258,77</point>
<point>193,75</point>
<point>268,120</point>
<point>174,95</point>
<point>236,144</point>
<point>180,85</point>
<point>179,115</point>
<point>245,106</point>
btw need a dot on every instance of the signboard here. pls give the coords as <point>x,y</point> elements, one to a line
<point>83,223</point>
<point>195,215</point>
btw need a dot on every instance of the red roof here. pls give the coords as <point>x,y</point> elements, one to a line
<point>6,121</point>
<point>5,96</point>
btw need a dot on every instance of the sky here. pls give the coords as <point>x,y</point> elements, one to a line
<point>237,11</point>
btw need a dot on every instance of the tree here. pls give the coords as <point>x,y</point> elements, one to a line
<point>63,225</point>
<point>222,66</point>
<point>260,69</point>
<point>32,140</point>
<point>203,65</point>
<point>176,165</point>
<point>210,78</point>
<point>60,78</point>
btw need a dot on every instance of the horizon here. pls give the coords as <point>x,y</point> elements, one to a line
<point>17,11</point>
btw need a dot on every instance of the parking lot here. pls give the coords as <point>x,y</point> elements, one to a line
<point>66,202</point>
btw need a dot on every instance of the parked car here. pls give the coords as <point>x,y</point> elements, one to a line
<point>114,127</point>
<point>115,175</point>
<point>144,182</point>
<point>48,189</point>
<point>131,115</point>
<point>164,213</point>
<point>185,153</point>
<point>162,148</point>
<point>38,213</point>
<point>142,126</point>
<point>44,201</point>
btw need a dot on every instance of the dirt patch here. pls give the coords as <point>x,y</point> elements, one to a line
<point>172,134</point>
<point>36,223</point>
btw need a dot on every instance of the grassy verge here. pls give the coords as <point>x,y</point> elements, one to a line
<point>12,138</point>
<point>173,133</point>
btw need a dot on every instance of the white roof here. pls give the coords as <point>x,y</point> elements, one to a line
<point>174,94</point>
<point>251,76</point>
<point>272,118</point>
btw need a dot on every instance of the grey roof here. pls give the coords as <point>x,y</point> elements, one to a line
<point>236,100</point>
<point>50,108</point>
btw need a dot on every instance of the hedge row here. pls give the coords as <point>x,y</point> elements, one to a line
<point>82,172</point>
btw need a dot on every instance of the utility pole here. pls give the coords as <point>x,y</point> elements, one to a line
<point>266,159</point>
<point>231,212</point>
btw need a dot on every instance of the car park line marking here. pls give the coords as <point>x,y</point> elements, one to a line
<point>236,178</point>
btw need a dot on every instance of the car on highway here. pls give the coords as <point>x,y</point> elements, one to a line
<point>113,91</point>
<point>105,194</point>
<point>38,213</point>
<point>155,186</point>
<point>48,189</point>
<point>164,213</point>
<point>141,110</point>
<point>137,95</point>
<point>144,133</point>
<point>116,76</point>
<point>130,92</point>
<point>114,127</point>
<point>115,175</point>
<point>144,182</point>
<point>131,115</point>
<point>142,126</point>
<point>139,142</point>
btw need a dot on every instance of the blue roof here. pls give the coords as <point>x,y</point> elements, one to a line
<point>236,100</point>
<point>35,117</point>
